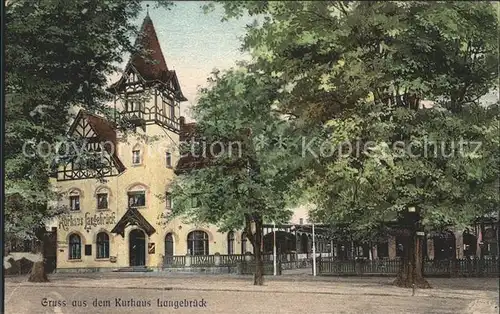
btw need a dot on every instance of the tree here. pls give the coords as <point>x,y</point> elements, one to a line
<point>58,56</point>
<point>363,70</point>
<point>241,176</point>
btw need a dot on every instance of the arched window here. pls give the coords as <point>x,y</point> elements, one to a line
<point>75,247</point>
<point>230,243</point>
<point>102,245</point>
<point>169,245</point>
<point>243,243</point>
<point>197,243</point>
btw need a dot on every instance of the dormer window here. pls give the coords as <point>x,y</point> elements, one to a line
<point>136,157</point>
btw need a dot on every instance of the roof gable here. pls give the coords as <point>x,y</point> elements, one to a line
<point>149,64</point>
<point>100,129</point>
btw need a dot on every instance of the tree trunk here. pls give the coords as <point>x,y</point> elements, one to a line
<point>38,273</point>
<point>256,240</point>
<point>258,278</point>
<point>411,272</point>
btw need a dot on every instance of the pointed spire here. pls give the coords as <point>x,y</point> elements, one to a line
<point>153,65</point>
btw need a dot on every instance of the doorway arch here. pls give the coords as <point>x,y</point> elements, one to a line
<point>137,248</point>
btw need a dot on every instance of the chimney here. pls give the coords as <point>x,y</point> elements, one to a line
<point>182,120</point>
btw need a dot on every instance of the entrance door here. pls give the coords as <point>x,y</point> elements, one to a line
<point>137,248</point>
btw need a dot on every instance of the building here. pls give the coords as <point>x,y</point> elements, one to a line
<point>120,222</point>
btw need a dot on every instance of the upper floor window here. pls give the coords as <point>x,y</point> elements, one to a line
<point>137,198</point>
<point>102,200</point>
<point>74,201</point>
<point>136,157</point>
<point>137,195</point>
<point>168,159</point>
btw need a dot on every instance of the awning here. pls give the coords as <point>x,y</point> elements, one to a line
<point>133,218</point>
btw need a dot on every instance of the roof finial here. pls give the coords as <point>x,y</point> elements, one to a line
<point>147,9</point>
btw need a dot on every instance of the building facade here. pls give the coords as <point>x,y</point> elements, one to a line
<point>121,219</point>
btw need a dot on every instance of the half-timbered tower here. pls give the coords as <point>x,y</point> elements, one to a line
<point>118,204</point>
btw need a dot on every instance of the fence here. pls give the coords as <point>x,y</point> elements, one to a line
<point>175,261</point>
<point>202,260</point>
<point>235,262</point>
<point>449,268</point>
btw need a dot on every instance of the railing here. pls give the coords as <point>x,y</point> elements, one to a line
<point>296,264</point>
<point>175,261</point>
<point>450,268</point>
<point>203,260</point>
<point>233,259</point>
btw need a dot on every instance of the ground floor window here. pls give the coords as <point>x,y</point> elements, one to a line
<point>198,243</point>
<point>75,247</point>
<point>102,245</point>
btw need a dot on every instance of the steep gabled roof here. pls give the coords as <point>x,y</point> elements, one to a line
<point>156,68</point>
<point>152,66</point>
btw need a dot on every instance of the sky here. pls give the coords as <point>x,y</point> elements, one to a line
<point>194,43</point>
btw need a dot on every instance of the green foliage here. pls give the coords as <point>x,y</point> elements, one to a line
<point>362,70</point>
<point>253,178</point>
<point>58,55</point>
